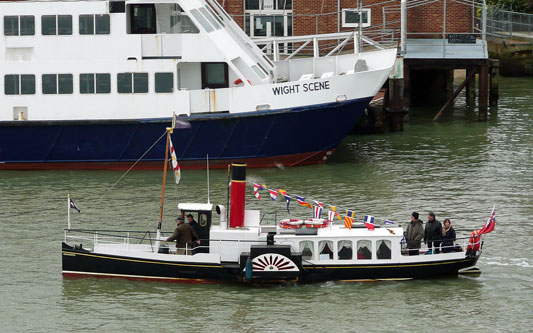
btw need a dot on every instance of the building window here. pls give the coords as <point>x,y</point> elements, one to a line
<point>57,84</point>
<point>364,250</point>
<point>383,249</point>
<point>94,24</point>
<point>91,83</point>
<point>350,18</point>
<point>164,82</point>
<point>56,24</point>
<point>345,250</point>
<point>19,25</point>
<point>128,83</point>
<point>306,248</point>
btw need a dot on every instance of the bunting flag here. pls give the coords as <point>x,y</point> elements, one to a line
<point>388,222</point>
<point>273,194</point>
<point>490,224</point>
<point>350,213</point>
<point>348,222</point>
<point>288,203</point>
<point>321,205</point>
<point>317,211</point>
<point>334,210</point>
<point>301,201</point>
<point>283,192</point>
<point>369,222</point>
<point>175,165</point>
<point>257,187</point>
<point>331,215</point>
<point>73,206</point>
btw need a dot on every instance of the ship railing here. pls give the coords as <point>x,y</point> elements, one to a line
<point>460,244</point>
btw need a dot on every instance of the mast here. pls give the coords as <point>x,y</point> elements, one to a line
<point>162,202</point>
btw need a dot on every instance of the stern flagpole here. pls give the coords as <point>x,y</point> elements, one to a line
<point>68,211</point>
<point>162,202</point>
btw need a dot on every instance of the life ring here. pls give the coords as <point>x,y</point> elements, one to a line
<point>239,81</point>
<point>316,223</point>
<point>474,242</point>
<point>291,223</point>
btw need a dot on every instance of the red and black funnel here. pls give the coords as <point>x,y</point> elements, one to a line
<point>238,189</point>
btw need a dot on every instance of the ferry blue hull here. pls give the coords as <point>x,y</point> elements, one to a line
<point>297,136</point>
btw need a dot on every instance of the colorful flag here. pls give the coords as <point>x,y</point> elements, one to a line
<point>273,194</point>
<point>350,213</point>
<point>348,222</point>
<point>317,211</point>
<point>301,201</point>
<point>388,222</point>
<point>73,205</point>
<point>257,187</point>
<point>175,165</point>
<point>331,215</point>
<point>369,222</point>
<point>282,191</point>
<point>490,224</point>
<point>334,210</point>
<point>319,203</point>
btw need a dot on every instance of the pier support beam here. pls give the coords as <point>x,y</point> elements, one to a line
<point>470,89</point>
<point>494,73</point>
<point>483,99</point>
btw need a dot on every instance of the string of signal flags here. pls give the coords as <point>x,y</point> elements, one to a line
<point>333,212</point>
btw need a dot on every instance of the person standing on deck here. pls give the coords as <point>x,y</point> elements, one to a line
<point>433,234</point>
<point>448,237</point>
<point>183,235</point>
<point>194,225</point>
<point>414,234</point>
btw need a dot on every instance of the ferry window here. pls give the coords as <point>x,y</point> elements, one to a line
<point>11,25</point>
<point>203,22</point>
<point>364,248</point>
<point>164,82</point>
<point>27,25</point>
<point>11,84</point>
<point>325,250</point>
<point>64,83</point>
<point>49,83</point>
<point>182,24</point>
<point>345,250</point>
<point>214,75</point>
<point>86,83</point>
<point>48,24</point>
<point>143,19</point>
<point>216,16</point>
<point>103,83</point>
<point>102,24</point>
<point>64,24</point>
<point>209,18</point>
<point>140,82</point>
<point>117,6</point>
<point>86,24</point>
<point>306,248</point>
<point>258,72</point>
<point>124,83</point>
<point>27,84</point>
<point>383,249</point>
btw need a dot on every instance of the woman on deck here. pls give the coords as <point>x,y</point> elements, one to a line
<point>448,237</point>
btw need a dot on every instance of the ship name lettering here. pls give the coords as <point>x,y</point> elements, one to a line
<point>306,87</point>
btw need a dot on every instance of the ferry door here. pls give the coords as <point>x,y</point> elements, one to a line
<point>203,218</point>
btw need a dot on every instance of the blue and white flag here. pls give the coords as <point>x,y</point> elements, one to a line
<point>73,205</point>
<point>389,222</point>
<point>369,222</point>
<point>178,122</point>
<point>288,203</point>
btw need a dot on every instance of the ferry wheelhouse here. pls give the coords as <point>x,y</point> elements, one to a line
<point>92,84</point>
<point>249,250</point>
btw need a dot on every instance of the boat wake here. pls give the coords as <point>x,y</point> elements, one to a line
<point>501,261</point>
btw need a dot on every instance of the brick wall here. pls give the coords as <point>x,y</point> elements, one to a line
<point>428,18</point>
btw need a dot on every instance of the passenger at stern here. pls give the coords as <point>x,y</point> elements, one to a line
<point>183,235</point>
<point>448,237</point>
<point>414,234</point>
<point>433,234</point>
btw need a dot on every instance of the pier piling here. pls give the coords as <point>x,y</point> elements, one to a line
<point>494,73</point>
<point>483,98</point>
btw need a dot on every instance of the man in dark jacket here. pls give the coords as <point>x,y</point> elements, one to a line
<point>183,235</point>
<point>433,234</point>
<point>414,234</point>
<point>194,225</point>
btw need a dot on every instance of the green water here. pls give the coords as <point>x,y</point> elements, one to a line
<point>457,168</point>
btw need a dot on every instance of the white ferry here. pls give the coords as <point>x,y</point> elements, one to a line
<point>92,84</point>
